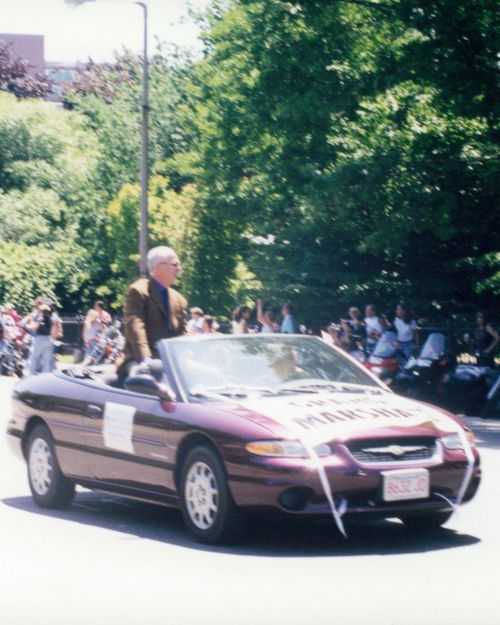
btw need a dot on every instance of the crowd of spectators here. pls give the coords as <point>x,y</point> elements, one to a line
<point>362,332</point>
<point>356,332</point>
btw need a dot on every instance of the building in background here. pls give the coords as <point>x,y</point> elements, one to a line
<point>29,47</point>
<point>60,75</point>
<point>32,48</point>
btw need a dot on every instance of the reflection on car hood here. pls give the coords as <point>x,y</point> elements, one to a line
<point>329,416</point>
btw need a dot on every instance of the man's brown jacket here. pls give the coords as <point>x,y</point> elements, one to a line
<point>146,320</point>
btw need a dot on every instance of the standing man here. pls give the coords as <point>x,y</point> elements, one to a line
<point>153,309</point>
<point>45,325</point>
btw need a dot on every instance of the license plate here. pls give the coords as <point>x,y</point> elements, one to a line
<point>405,484</point>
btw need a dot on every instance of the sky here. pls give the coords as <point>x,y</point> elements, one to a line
<point>101,27</point>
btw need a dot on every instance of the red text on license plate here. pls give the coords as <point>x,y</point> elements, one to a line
<point>405,484</point>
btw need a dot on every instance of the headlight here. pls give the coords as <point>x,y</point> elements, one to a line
<point>284,449</point>
<point>454,441</point>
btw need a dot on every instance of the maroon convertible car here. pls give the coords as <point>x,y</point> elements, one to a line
<point>225,425</point>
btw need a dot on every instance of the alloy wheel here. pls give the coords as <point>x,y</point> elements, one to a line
<point>202,495</point>
<point>40,464</point>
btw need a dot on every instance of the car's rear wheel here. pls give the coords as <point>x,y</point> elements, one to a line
<point>429,521</point>
<point>207,505</point>
<point>49,487</point>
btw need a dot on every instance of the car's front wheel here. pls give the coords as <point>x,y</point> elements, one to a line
<point>429,521</point>
<point>49,487</point>
<point>207,505</point>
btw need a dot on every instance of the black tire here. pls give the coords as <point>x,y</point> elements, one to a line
<point>211,517</point>
<point>49,487</point>
<point>429,521</point>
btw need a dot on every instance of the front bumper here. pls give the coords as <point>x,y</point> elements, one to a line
<point>293,486</point>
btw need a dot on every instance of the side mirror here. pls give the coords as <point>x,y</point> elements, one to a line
<point>147,385</point>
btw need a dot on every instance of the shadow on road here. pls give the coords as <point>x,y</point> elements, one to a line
<point>264,537</point>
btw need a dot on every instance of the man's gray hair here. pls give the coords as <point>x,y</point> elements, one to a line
<point>158,254</point>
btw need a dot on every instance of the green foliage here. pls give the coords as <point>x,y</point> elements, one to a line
<point>171,223</point>
<point>324,153</point>
<point>50,210</point>
<point>339,156</point>
<point>112,107</point>
<point>30,270</point>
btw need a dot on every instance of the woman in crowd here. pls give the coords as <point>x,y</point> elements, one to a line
<point>373,327</point>
<point>91,330</point>
<point>355,320</point>
<point>240,319</point>
<point>210,325</point>
<point>406,327</point>
<point>485,339</point>
<point>266,319</point>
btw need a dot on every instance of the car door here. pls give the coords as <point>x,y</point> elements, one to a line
<point>128,442</point>
<point>62,403</point>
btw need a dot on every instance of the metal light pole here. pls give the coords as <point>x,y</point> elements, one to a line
<point>143,231</point>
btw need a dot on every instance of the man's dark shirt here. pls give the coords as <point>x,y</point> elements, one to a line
<point>166,304</point>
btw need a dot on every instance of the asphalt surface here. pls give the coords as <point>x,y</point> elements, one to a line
<point>109,561</point>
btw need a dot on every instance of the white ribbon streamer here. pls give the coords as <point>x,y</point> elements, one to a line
<point>468,471</point>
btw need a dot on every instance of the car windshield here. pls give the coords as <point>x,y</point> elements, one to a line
<point>273,364</point>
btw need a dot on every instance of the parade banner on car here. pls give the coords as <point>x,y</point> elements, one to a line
<point>331,416</point>
<point>326,416</point>
<point>118,425</point>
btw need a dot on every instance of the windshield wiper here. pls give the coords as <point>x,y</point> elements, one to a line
<point>236,390</point>
<point>294,386</point>
<point>318,385</point>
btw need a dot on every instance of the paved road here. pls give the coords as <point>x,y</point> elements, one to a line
<point>111,562</point>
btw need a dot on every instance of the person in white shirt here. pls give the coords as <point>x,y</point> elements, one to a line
<point>195,324</point>
<point>239,320</point>
<point>9,326</point>
<point>373,327</point>
<point>266,320</point>
<point>406,328</point>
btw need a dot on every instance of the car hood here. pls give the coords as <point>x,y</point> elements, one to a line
<point>327,416</point>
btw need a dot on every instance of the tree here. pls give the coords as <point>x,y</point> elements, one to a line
<point>15,76</point>
<point>110,96</point>
<point>51,213</point>
<point>171,223</point>
<point>340,165</point>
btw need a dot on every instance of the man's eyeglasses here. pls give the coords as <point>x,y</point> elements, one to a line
<point>176,264</point>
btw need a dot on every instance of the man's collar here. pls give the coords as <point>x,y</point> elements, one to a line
<point>159,286</point>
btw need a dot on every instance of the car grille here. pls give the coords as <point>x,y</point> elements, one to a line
<point>383,451</point>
